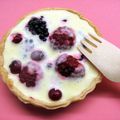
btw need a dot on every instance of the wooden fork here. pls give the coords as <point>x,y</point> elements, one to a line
<point>104,55</point>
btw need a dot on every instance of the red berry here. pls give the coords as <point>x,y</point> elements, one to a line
<point>17,38</point>
<point>27,77</point>
<point>15,67</point>
<point>65,69</point>
<point>79,71</point>
<point>69,66</point>
<point>30,74</point>
<point>62,38</point>
<point>30,83</point>
<point>54,94</point>
<point>72,61</point>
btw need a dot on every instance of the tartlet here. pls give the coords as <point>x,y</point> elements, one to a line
<point>40,62</point>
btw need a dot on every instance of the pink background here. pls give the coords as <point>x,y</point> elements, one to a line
<point>104,102</point>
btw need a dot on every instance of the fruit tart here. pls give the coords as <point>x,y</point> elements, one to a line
<point>40,61</point>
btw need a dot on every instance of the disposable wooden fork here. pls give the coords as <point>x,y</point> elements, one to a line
<point>103,54</point>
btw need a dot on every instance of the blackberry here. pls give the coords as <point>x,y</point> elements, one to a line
<point>37,26</point>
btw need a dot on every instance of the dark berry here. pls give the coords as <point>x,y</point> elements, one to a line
<point>30,83</point>
<point>64,20</point>
<point>41,17</point>
<point>82,57</point>
<point>68,66</point>
<point>17,38</point>
<point>15,67</point>
<point>44,39</point>
<point>49,65</point>
<point>30,41</point>
<point>37,55</point>
<point>28,77</point>
<point>54,94</point>
<point>62,38</point>
<point>65,69</point>
<point>37,26</point>
<point>41,36</point>
<point>46,33</point>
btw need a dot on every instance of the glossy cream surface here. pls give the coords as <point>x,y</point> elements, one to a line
<point>70,87</point>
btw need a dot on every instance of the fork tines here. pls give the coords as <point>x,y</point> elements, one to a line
<point>90,42</point>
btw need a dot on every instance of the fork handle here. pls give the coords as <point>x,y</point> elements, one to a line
<point>111,60</point>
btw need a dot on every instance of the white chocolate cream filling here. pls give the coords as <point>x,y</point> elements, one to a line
<point>69,87</point>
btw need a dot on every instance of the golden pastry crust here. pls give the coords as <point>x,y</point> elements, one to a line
<point>30,100</point>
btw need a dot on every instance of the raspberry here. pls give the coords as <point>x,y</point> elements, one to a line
<point>79,71</point>
<point>54,94</point>
<point>29,75</point>
<point>15,67</point>
<point>30,83</point>
<point>65,70</point>
<point>62,38</point>
<point>68,66</point>
<point>37,26</point>
<point>17,38</point>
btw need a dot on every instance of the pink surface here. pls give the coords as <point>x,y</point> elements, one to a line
<point>104,102</point>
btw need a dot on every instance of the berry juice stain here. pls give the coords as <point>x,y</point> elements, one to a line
<point>27,47</point>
